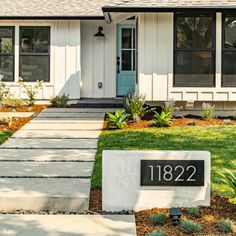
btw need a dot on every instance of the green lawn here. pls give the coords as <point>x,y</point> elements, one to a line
<point>219,140</point>
<point>4,135</point>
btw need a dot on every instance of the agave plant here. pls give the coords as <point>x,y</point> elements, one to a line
<point>118,119</point>
<point>163,119</point>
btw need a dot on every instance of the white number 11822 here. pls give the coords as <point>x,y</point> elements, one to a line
<point>167,173</point>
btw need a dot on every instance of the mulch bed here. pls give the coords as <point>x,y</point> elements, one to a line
<point>34,108</point>
<point>178,122</point>
<point>220,209</point>
<point>17,123</point>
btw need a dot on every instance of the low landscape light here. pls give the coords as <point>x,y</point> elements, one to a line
<point>175,214</point>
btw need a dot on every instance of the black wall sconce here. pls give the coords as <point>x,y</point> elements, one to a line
<point>100,33</point>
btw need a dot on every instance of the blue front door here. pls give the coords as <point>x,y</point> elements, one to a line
<point>126,59</point>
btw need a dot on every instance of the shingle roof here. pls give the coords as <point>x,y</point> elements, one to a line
<point>93,8</point>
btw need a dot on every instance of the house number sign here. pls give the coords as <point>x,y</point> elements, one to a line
<point>172,172</point>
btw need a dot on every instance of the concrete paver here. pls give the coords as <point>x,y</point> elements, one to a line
<point>67,225</point>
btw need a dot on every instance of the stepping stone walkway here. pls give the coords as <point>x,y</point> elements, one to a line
<point>47,166</point>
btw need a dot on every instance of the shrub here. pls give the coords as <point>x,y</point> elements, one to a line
<point>118,119</point>
<point>169,107</point>
<point>4,90</point>
<point>190,227</point>
<point>158,219</point>
<point>60,101</point>
<point>157,233</point>
<point>208,111</point>
<point>163,119</point>
<point>31,90</point>
<point>225,226</point>
<point>227,122</point>
<point>194,212</point>
<point>12,102</point>
<point>134,105</point>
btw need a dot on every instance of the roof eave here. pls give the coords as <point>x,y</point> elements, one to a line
<point>166,9</point>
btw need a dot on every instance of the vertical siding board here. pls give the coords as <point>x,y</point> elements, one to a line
<point>87,58</point>
<point>110,61</point>
<point>60,58</point>
<point>98,58</point>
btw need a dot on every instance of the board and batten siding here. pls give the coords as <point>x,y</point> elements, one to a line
<point>155,62</point>
<point>65,69</point>
<point>98,60</point>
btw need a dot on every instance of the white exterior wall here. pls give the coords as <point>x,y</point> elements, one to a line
<point>65,69</point>
<point>98,60</point>
<point>155,62</point>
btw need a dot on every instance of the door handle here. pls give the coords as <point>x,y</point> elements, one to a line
<point>118,65</point>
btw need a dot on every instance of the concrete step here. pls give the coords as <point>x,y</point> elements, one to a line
<point>70,115</point>
<point>46,169</point>
<point>62,134</point>
<point>78,110</point>
<point>68,225</point>
<point>61,126</point>
<point>69,194</point>
<point>47,155</point>
<point>50,144</point>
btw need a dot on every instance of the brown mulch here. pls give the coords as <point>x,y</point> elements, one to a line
<point>17,123</point>
<point>34,108</point>
<point>220,209</point>
<point>178,122</point>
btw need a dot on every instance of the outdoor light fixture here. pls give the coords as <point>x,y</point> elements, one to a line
<point>100,33</point>
<point>175,214</point>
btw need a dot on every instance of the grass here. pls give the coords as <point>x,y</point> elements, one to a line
<point>219,140</point>
<point>4,135</point>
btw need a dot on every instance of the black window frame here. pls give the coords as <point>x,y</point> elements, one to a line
<point>36,54</point>
<point>13,52</point>
<point>223,49</point>
<point>213,49</point>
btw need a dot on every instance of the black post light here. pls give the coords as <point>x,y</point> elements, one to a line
<point>175,214</point>
<point>100,33</point>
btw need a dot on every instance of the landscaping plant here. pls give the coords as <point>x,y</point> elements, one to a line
<point>158,219</point>
<point>157,233</point>
<point>169,107</point>
<point>225,226</point>
<point>118,119</point>
<point>229,178</point>
<point>162,120</point>
<point>31,90</point>
<point>208,111</point>
<point>194,212</point>
<point>4,90</point>
<point>134,105</point>
<point>190,227</point>
<point>60,101</point>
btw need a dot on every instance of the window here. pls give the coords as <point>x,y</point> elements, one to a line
<point>229,51</point>
<point>7,53</point>
<point>35,53</point>
<point>194,51</point>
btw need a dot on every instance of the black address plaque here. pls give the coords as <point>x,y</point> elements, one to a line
<point>172,172</point>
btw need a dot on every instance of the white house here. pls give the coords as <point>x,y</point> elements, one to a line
<point>179,49</point>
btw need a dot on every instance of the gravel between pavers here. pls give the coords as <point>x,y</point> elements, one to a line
<point>49,212</point>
